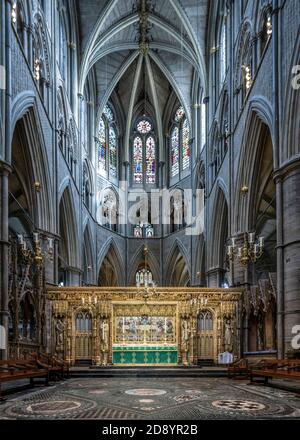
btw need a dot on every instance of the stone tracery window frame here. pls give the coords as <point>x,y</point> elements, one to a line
<point>144,277</point>
<point>108,150</point>
<point>244,58</point>
<point>41,59</point>
<point>179,124</point>
<point>148,176</point>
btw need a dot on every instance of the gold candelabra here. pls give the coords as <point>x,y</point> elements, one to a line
<point>34,252</point>
<point>251,250</point>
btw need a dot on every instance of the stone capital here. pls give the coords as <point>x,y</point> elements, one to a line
<point>287,169</point>
<point>5,168</point>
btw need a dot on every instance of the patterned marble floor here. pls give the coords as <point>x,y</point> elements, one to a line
<point>152,399</point>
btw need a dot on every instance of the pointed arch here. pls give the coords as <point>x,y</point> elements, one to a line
<point>220,228</point>
<point>139,258</point>
<point>68,231</point>
<point>178,271</point>
<point>110,265</point>
<point>25,118</point>
<point>258,126</point>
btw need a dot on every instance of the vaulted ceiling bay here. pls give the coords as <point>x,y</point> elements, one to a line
<point>147,57</point>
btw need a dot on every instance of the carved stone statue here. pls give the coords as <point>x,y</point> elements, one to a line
<point>185,333</point>
<point>59,334</point>
<point>228,336</point>
<point>104,328</point>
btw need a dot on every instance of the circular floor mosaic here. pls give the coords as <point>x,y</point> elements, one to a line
<point>53,406</point>
<point>238,405</point>
<point>145,392</point>
<point>164,399</point>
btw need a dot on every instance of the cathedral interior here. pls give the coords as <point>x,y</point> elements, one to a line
<point>150,206</point>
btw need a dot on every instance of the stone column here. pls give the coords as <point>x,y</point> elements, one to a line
<point>288,193</point>
<point>2,77</point>
<point>5,171</point>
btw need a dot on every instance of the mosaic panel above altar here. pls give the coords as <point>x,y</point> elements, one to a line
<point>144,329</point>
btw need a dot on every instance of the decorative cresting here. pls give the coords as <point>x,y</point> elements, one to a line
<point>130,326</point>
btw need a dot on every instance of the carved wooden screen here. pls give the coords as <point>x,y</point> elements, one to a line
<point>205,335</point>
<point>83,336</point>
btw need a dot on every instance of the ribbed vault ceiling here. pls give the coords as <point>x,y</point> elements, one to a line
<point>173,64</point>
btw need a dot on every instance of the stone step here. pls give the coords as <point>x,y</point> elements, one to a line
<point>119,372</point>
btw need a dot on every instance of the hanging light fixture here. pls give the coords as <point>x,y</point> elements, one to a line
<point>31,249</point>
<point>251,250</point>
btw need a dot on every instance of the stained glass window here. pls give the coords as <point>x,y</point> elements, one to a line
<point>150,160</point>
<point>144,127</point>
<point>112,152</point>
<point>179,114</point>
<point>108,113</point>
<point>107,146</point>
<point>185,145</point>
<point>144,277</point>
<point>102,145</point>
<point>175,152</point>
<point>138,160</point>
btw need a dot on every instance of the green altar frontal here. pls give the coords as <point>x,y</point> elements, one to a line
<point>145,355</point>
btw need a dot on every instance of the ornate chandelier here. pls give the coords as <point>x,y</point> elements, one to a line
<point>251,250</point>
<point>31,249</point>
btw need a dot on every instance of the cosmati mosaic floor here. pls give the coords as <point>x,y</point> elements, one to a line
<point>152,399</point>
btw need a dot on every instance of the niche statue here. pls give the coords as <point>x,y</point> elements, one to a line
<point>104,329</point>
<point>59,334</point>
<point>228,336</point>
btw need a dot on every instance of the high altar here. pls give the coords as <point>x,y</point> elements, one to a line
<point>131,326</point>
